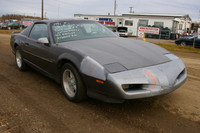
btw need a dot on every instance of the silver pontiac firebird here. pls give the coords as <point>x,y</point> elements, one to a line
<point>87,59</point>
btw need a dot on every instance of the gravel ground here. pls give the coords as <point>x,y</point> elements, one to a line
<point>32,103</point>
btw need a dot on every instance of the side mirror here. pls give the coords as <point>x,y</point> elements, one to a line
<point>43,40</point>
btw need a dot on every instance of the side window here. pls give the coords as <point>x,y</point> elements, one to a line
<point>39,31</point>
<point>143,23</point>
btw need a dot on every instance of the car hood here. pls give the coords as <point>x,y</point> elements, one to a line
<point>129,53</point>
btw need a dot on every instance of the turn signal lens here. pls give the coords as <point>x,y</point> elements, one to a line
<point>99,81</point>
<point>125,86</point>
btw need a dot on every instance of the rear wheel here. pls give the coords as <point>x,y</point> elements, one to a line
<point>19,60</point>
<point>72,84</point>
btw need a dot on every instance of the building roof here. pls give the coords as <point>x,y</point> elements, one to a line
<point>159,15</point>
<point>96,15</point>
<point>186,16</point>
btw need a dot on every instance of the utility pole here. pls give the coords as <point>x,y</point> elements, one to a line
<point>199,14</point>
<point>115,6</point>
<point>42,10</point>
<point>131,9</point>
<point>45,15</point>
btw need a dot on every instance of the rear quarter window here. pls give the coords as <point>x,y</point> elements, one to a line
<point>26,31</point>
<point>39,31</point>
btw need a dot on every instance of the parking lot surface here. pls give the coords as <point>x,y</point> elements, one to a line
<point>31,102</point>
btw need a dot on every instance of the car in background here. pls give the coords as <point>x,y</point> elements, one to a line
<point>1,24</point>
<point>14,25</point>
<point>4,26</point>
<point>119,31</point>
<point>189,41</point>
<point>88,59</point>
<point>113,29</point>
<point>123,31</point>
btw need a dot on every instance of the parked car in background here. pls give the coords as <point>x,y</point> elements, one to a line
<point>189,41</point>
<point>4,26</point>
<point>119,31</point>
<point>113,29</point>
<point>14,25</point>
<point>88,59</point>
<point>123,31</point>
<point>1,24</point>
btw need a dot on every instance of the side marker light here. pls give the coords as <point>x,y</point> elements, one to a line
<point>99,81</point>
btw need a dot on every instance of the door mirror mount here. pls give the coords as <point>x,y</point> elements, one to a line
<point>43,40</point>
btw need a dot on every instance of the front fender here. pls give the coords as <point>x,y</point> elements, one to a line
<point>74,58</point>
<point>13,41</point>
<point>92,68</point>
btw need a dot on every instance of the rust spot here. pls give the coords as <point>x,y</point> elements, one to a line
<point>153,78</point>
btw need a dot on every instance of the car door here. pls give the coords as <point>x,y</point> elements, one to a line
<point>189,41</point>
<point>197,42</point>
<point>39,54</point>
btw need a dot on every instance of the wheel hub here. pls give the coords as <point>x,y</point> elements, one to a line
<point>69,83</point>
<point>18,59</point>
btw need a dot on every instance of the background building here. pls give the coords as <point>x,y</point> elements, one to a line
<point>195,25</point>
<point>174,23</point>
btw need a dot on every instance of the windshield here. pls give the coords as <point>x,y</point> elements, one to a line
<point>122,29</point>
<point>79,30</point>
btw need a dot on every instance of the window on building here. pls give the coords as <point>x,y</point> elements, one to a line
<point>159,24</point>
<point>129,22</point>
<point>180,26</point>
<point>143,23</point>
<point>85,18</point>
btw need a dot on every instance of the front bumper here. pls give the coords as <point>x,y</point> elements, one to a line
<point>123,34</point>
<point>153,81</point>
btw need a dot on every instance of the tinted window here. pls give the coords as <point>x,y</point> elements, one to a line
<point>39,31</point>
<point>79,30</point>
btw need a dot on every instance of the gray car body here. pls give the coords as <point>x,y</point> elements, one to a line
<point>115,61</point>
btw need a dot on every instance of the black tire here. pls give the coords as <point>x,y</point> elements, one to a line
<point>72,84</point>
<point>21,65</point>
<point>183,43</point>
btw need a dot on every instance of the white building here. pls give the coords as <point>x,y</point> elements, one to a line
<point>177,23</point>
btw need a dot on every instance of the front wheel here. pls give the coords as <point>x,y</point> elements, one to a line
<point>72,84</point>
<point>19,60</point>
<point>183,43</point>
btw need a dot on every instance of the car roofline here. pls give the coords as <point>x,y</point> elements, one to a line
<point>61,20</point>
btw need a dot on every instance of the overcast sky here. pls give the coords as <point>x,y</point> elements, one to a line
<point>67,8</point>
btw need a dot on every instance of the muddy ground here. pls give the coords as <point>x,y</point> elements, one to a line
<point>32,103</point>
